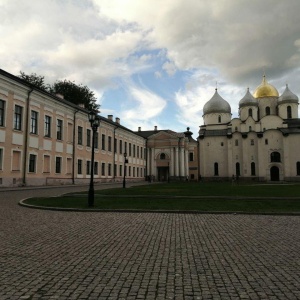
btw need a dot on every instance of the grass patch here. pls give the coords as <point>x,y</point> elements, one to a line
<point>151,197</point>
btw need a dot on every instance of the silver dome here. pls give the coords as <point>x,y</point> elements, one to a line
<point>248,100</point>
<point>288,96</point>
<point>216,105</point>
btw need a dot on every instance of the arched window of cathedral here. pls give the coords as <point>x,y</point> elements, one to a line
<point>268,110</point>
<point>289,112</point>
<point>253,169</point>
<point>298,168</point>
<point>250,112</point>
<point>219,119</point>
<point>237,169</point>
<point>216,169</point>
<point>162,156</point>
<point>275,157</point>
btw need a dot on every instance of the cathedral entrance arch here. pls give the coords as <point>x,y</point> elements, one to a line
<point>274,172</point>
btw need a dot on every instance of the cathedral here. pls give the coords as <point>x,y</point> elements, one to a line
<point>262,144</point>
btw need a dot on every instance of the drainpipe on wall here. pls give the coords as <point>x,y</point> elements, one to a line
<point>26,137</point>
<point>114,161</point>
<point>146,158</point>
<point>74,135</point>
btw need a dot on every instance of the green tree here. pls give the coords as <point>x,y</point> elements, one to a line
<point>34,79</point>
<point>77,94</point>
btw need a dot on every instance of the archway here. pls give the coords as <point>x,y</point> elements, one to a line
<point>274,172</point>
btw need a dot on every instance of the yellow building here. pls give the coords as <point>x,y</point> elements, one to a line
<point>46,140</point>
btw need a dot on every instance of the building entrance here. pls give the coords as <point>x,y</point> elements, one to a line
<point>274,172</point>
<point>163,173</point>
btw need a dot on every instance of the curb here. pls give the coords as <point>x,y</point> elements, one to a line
<point>21,203</point>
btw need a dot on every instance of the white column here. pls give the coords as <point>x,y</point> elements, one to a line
<point>186,162</point>
<point>181,162</point>
<point>176,162</point>
<point>152,162</point>
<point>171,167</point>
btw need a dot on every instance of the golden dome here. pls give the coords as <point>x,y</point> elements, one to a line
<point>265,90</point>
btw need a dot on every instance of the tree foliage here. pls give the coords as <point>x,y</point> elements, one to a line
<point>34,79</point>
<point>77,94</point>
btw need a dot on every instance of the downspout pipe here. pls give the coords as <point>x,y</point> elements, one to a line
<point>74,148</point>
<point>26,137</point>
<point>114,159</point>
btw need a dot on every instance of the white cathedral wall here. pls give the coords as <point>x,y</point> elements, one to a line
<point>267,101</point>
<point>282,110</point>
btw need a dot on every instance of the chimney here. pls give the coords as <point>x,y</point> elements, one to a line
<point>59,96</point>
<point>118,120</point>
<point>155,128</point>
<point>110,117</point>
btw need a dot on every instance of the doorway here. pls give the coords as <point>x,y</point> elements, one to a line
<point>163,173</point>
<point>274,172</point>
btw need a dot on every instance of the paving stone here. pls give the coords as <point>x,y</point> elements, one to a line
<point>73,255</point>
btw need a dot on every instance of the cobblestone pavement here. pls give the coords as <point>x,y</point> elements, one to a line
<point>72,255</point>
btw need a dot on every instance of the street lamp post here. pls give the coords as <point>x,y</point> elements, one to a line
<point>125,161</point>
<point>95,122</point>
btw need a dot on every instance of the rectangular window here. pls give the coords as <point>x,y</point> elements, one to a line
<point>133,150</point>
<point>88,137</point>
<point>137,172</point>
<point>125,146</point>
<point>121,170</point>
<point>88,167</point>
<point>96,140</point>
<point>191,156</point>
<point>141,153</point>
<point>2,112</point>
<point>236,142</point>
<point>109,143</point>
<point>96,168</point>
<point>137,151</point>
<point>103,169</point>
<point>252,142</point>
<point>133,171</point>
<point>109,169</point>
<point>129,171</point>
<point>32,163</point>
<point>129,149</point>
<point>18,117</point>
<point>121,148</point>
<point>47,126</point>
<point>1,159</point>
<point>59,130</point>
<point>58,161</point>
<point>34,122</point>
<point>266,142</point>
<point>46,164</point>
<point>16,161</point>
<point>103,141</point>
<point>115,170</point>
<point>79,166</point>
<point>79,138</point>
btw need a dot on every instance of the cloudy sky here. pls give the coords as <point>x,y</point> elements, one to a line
<point>155,62</point>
